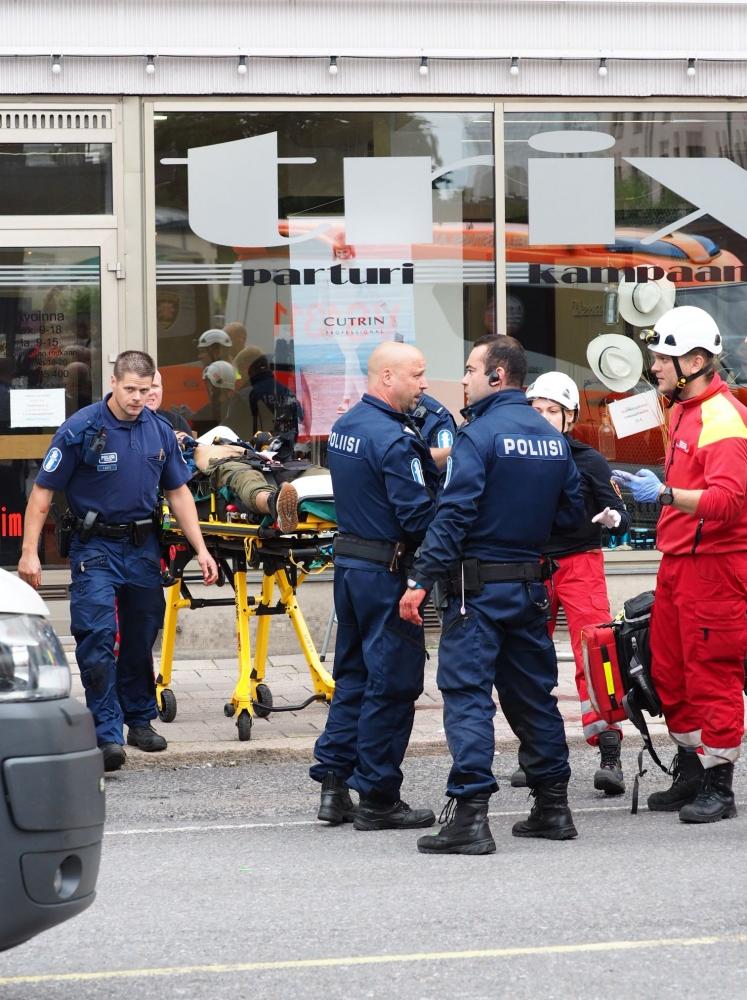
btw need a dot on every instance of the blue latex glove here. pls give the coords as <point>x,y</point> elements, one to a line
<point>645,485</point>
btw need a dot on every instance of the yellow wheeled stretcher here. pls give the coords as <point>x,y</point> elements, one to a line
<point>238,545</point>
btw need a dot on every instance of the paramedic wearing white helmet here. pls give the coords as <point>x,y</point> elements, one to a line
<point>579,584</point>
<point>214,345</point>
<point>699,623</point>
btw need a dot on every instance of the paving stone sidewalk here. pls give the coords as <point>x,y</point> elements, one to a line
<point>201,733</point>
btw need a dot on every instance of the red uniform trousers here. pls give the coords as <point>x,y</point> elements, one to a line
<point>698,645</point>
<point>580,587</point>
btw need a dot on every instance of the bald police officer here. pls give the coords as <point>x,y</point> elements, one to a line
<point>510,477</point>
<point>384,484</point>
<point>111,459</point>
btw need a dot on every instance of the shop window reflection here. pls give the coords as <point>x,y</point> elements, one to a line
<point>316,309</point>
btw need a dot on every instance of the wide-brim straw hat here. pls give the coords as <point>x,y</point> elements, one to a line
<point>642,303</point>
<point>616,361</point>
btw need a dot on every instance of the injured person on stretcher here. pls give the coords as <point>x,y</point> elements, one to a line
<point>253,477</point>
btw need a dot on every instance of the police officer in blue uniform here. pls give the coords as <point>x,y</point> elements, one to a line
<point>384,484</point>
<point>111,459</point>
<point>509,479</point>
<point>437,427</point>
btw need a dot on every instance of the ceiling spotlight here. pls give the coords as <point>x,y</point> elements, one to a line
<point>424,65</point>
<point>691,67</point>
<point>602,67</point>
<point>514,67</point>
<point>56,64</point>
<point>150,65</point>
<point>241,68</point>
<point>333,68</point>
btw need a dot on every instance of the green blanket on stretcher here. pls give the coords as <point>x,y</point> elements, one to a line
<point>323,509</point>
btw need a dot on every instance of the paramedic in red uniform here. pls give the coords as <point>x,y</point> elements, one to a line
<point>699,623</point>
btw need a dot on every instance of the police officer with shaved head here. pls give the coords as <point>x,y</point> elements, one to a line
<point>510,478</point>
<point>384,482</point>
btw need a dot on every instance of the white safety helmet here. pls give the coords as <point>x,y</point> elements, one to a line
<point>221,374</point>
<point>214,337</point>
<point>684,329</point>
<point>558,387</point>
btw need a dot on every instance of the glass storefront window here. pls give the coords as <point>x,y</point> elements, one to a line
<point>312,237</point>
<point>71,178</point>
<point>50,366</point>
<point>593,196</point>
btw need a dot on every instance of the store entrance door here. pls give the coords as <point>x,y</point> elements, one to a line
<point>58,331</point>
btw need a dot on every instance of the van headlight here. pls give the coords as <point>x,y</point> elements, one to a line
<point>32,662</point>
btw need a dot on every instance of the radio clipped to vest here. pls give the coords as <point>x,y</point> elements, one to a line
<point>617,666</point>
<point>93,445</point>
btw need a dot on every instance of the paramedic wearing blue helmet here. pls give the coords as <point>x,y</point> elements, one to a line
<point>384,483</point>
<point>510,479</point>
<point>111,459</point>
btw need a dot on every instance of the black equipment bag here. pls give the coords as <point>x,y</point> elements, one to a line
<point>632,638</point>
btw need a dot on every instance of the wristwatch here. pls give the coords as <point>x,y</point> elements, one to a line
<point>666,497</point>
<point>414,585</point>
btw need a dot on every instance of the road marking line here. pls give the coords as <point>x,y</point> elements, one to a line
<point>208,828</point>
<point>353,960</point>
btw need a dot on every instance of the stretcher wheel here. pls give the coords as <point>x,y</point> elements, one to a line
<point>229,710</point>
<point>167,711</point>
<point>244,726</point>
<point>263,703</point>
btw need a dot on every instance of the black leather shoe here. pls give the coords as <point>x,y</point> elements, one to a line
<point>550,817</point>
<point>715,799</point>
<point>114,756</point>
<point>687,774</point>
<point>609,776</point>
<point>336,805</point>
<point>145,738</point>
<point>372,815</point>
<point>464,830</point>
<point>519,778</point>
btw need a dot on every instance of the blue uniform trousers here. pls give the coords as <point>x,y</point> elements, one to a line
<point>378,672</point>
<point>501,642</point>
<point>115,583</point>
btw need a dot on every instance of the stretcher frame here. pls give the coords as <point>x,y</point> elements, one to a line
<point>286,562</point>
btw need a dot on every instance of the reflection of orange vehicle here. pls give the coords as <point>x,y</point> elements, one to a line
<point>693,260</point>
<point>183,386</point>
<point>676,253</point>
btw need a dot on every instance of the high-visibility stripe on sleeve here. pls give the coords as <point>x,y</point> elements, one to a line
<point>721,420</point>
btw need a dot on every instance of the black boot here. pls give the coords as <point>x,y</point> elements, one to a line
<point>465,829</point>
<point>609,777</point>
<point>715,799</point>
<point>336,805</point>
<point>550,816</point>
<point>519,778</point>
<point>687,774</point>
<point>372,814</point>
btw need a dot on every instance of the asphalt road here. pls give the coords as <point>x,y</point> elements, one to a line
<point>217,882</point>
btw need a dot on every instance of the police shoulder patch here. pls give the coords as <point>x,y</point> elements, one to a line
<point>445,439</point>
<point>417,471</point>
<point>52,459</point>
<point>616,488</point>
<point>449,464</point>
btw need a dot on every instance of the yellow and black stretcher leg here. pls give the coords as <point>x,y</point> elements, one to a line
<point>285,563</point>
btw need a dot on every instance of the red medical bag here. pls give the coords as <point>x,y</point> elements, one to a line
<point>606,682</point>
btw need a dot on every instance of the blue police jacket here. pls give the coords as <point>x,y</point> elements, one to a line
<point>383,476</point>
<point>509,480</point>
<point>115,467</point>
<point>438,426</point>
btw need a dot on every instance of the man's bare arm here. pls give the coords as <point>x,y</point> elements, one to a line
<point>37,511</point>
